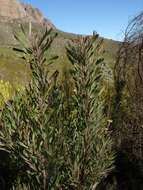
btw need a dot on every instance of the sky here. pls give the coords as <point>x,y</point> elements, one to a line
<point>109,18</point>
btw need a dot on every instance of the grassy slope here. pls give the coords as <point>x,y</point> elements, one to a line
<point>13,70</point>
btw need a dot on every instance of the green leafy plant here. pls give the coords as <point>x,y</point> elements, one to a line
<point>25,119</point>
<point>55,136</point>
<point>94,157</point>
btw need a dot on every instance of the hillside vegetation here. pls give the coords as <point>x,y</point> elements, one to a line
<point>13,70</point>
<point>54,135</point>
<point>71,106</point>
<point>73,120</point>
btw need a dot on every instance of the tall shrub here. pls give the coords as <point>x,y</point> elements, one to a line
<point>57,137</point>
<point>94,156</point>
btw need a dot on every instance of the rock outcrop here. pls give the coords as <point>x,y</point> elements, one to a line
<point>13,9</point>
<point>36,16</point>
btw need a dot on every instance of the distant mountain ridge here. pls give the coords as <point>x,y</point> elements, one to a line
<point>12,9</point>
<point>12,15</point>
<point>35,15</point>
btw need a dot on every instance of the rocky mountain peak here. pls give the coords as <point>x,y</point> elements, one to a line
<point>13,9</point>
<point>35,15</point>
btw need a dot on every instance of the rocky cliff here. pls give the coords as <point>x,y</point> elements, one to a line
<point>35,15</point>
<point>12,9</point>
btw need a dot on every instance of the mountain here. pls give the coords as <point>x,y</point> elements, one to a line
<point>36,16</point>
<point>12,15</point>
<point>12,9</point>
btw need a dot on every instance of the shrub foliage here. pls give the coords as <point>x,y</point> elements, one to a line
<point>56,137</point>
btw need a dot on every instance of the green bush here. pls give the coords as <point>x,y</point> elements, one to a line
<point>57,137</point>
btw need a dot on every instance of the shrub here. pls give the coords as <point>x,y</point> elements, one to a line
<point>93,156</point>
<point>55,139</point>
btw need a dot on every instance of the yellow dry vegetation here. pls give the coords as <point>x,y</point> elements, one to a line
<point>7,91</point>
